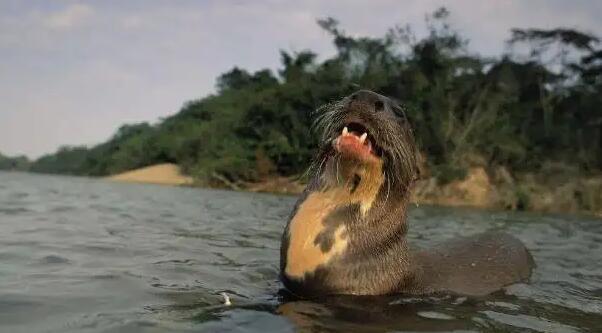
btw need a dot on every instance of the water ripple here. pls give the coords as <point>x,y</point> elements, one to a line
<point>85,255</point>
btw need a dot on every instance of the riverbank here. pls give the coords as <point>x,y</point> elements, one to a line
<point>495,189</point>
<point>498,189</point>
<point>162,174</point>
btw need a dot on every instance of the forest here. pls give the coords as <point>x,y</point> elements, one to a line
<point>19,163</point>
<point>535,105</point>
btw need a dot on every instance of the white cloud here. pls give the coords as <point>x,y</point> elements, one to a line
<point>132,22</point>
<point>71,16</point>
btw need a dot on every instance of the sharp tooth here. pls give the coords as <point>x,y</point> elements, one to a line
<point>345,131</point>
<point>363,137</point>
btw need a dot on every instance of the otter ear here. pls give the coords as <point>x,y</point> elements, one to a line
<point>401,112</point>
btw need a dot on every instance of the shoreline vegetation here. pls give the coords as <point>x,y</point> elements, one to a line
<point>481,189</point>
<point>517,131</point>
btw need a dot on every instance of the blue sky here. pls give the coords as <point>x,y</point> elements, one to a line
<point>71,72</point>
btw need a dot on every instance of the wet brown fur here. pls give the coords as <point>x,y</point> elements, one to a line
<point>346,235</point>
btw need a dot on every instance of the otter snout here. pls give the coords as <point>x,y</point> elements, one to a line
<point>366,99</point>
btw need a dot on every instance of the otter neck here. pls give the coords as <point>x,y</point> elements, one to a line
<point>366,185</point>
<point>352,182</point>
<point>346,203</point>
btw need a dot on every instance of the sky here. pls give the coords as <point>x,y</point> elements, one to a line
<point>72,72</point>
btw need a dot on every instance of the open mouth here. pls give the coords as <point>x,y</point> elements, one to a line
<point>356,141</point>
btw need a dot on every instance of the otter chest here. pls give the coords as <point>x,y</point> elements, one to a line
<point>318,232</point>
<point>312,241</point>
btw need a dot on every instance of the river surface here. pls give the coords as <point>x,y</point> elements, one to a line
<point>85,255</point>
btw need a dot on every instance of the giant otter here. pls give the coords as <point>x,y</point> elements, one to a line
<point>347,232</point>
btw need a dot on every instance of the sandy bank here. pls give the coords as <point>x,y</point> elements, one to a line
<point>164,174</point>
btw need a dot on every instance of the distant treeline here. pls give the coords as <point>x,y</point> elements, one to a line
<point>539,102</point>
<point>20,163</point>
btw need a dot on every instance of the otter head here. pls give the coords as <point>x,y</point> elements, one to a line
<point>365,135</point>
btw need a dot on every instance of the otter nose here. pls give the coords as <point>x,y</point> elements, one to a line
<point>370,98</point>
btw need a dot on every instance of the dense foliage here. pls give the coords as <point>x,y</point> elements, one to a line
<point>538,102</point>
<point>20,163</point>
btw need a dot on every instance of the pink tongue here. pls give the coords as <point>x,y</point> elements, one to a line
<point>351,144</point>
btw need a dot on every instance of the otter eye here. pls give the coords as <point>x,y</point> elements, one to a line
<point>379,106</point>
<point>399,113</point>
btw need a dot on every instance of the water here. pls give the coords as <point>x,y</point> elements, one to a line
<point>83,255</point>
